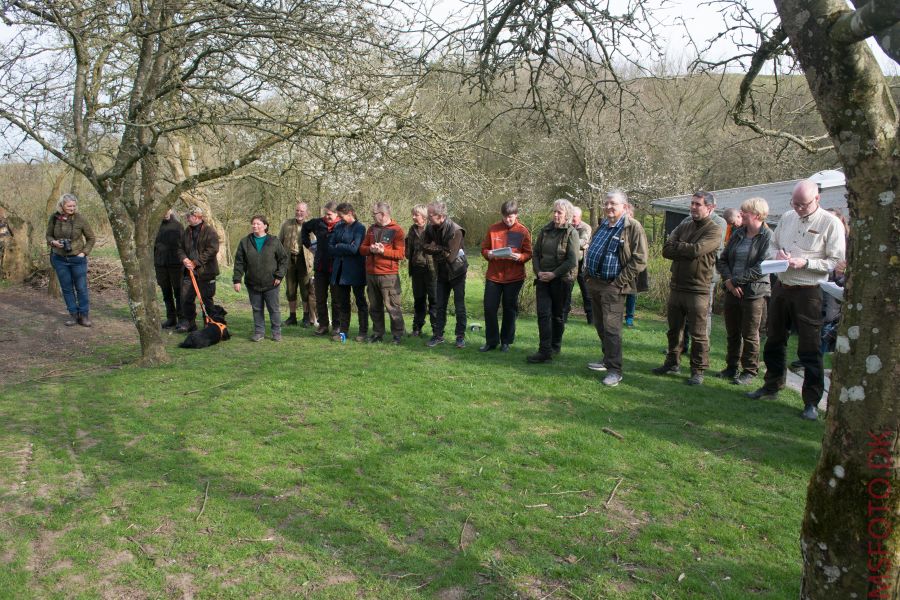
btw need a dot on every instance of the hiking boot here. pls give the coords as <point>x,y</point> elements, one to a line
<point>612,379</point>
<point>257,337</point>
<point>666,370</point>
<point>487,347</point>
<point>696,378</point>
<point>796,366</point>
<point>84,320</point>
<point>321,330</point>
<point>72,320</point>
<point>186,327</point>
<point>744,378</point>
<point>375,339</point>
<point>504,347</point>
<point>596,366</point>
<point>291,320</point>
<point>396,340</point>
<point>305,321</point>
<point>539,357</point>
<point>362,338</point>
<point>460,341</point>
<point>762,394</point>
<point>727,373</point>
<point>276,336</point>
<point>169,323</point>
<point>434,341</point>
<point>810,413</point>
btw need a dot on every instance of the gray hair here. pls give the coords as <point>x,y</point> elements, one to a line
<point>567,207</point>
<point>617,195</point>
<point>438,208</point>
<point>420,209</point>
<point>63,199</point>
<point>382,207</point>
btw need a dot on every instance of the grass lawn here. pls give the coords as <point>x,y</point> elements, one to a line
<point>315,469</point>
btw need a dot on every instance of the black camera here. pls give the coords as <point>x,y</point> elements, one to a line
<point>66,245</point>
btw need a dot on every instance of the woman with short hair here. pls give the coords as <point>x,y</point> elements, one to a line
<point>740,265</point>
<point>348,272</point>
<point>555,264</point>
<point>262,262</point>
<point>314,236</point>
<point>71,239</point>
<point>506,247</point>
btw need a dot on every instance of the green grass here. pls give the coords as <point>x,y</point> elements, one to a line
<point>312,468</point>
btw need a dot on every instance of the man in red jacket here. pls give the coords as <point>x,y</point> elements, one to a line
<point>384,247</point>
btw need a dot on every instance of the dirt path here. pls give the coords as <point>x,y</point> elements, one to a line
<point>35,343</point>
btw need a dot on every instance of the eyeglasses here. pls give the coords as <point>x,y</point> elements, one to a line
<point>802,204</point>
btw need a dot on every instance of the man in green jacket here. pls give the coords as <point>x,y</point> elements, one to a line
<point>692,247</point>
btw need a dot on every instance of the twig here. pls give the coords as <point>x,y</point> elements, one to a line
<point>562,493</point>
<point>138,544</point>
<point>612,494</point>
<point>205,498</point>
<point>613,433</point>
<point>403,576</point>
<point>212,387</point>
<point>268,539</point>
<point>586,510</point>
<point>462,532</point>
<point>724,448</point>
<point>636,578</point>
<point>14,517</point>
<point>418,587</point>
<point>571,593</point>
<point>556,589</point>
<point>536,505</point>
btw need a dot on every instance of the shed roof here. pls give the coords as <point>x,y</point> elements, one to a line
<point>778,195</point>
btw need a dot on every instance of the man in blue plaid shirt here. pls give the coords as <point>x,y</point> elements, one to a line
<point>617,254</point>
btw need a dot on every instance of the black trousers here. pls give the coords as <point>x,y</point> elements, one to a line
<point>169,281</point>
<point>424,283</point>
<point>321,287</point>
<point>442,298</point>
<point>550,298</point>
<point>495,295</point>
<point>585,296</point>
<point>207,289</point>
<point>340,298</point>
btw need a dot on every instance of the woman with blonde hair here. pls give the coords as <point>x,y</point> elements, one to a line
<point>740,265</point>
<point>555,263</point>
<point>71,239</point>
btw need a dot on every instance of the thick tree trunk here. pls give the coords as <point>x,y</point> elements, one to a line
<point>134,240</point>
<point>15,247</point>
<point>850,538</point>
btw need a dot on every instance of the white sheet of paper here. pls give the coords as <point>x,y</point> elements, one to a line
<point>505,251</point>
<point>833,289</point>
<point>774,266</point>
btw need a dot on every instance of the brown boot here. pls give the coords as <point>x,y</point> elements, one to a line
<point>84,320</point>
<point>72,320</point>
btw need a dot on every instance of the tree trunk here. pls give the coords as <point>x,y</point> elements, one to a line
<point>53,289</point>
<point>134,241</point>
<point>15,247</point>
<point>850,537</point>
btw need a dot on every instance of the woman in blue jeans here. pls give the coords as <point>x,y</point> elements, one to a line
<point>71,240</point>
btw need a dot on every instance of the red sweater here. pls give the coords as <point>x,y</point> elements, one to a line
<point>394,240</point>
<point>518,238</point>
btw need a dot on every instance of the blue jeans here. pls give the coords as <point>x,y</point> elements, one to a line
<point>72,274</point>
<point>630,305</point>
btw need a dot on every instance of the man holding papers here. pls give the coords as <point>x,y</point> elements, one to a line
<point>812,241</point>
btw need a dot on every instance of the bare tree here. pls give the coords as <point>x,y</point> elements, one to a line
<point>102,86</point>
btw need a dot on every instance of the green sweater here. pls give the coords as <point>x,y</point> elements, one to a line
<point>556,249</point>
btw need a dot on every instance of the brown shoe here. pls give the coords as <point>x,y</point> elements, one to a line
<point>72,320</point>
<point>84,320</point>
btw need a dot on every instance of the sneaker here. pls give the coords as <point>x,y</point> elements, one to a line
<point>460,341</point>
<point>276,336</point>
<point>416,333</point>
<point>487,347</point>
<point>762,394</point>
<point>612,379</point>
<point>538,357</point>
<point>666,370</point>
<point>810,413</point>
<point>375,339</point>
<point>696,378</point>
<point>596,366</point>
<point>257,337</point>
<point>727,373</point>
<point>434,341</point>
<point>629,322</point>
<point>396,340</point>
<point>744,378</point>
<point>337,337</point>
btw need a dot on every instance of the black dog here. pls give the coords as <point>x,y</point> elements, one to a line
<point>213,333</point>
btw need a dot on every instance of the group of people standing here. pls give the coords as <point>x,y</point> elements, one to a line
<point>337,255</point>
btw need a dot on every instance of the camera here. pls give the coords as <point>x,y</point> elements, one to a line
<point>66,245</point>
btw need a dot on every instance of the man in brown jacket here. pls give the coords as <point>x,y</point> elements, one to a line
<point>300,268</point>
<point>692,247</point>
<point>197,252</point>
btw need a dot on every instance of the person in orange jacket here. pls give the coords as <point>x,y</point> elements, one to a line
<point>384,247</point>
